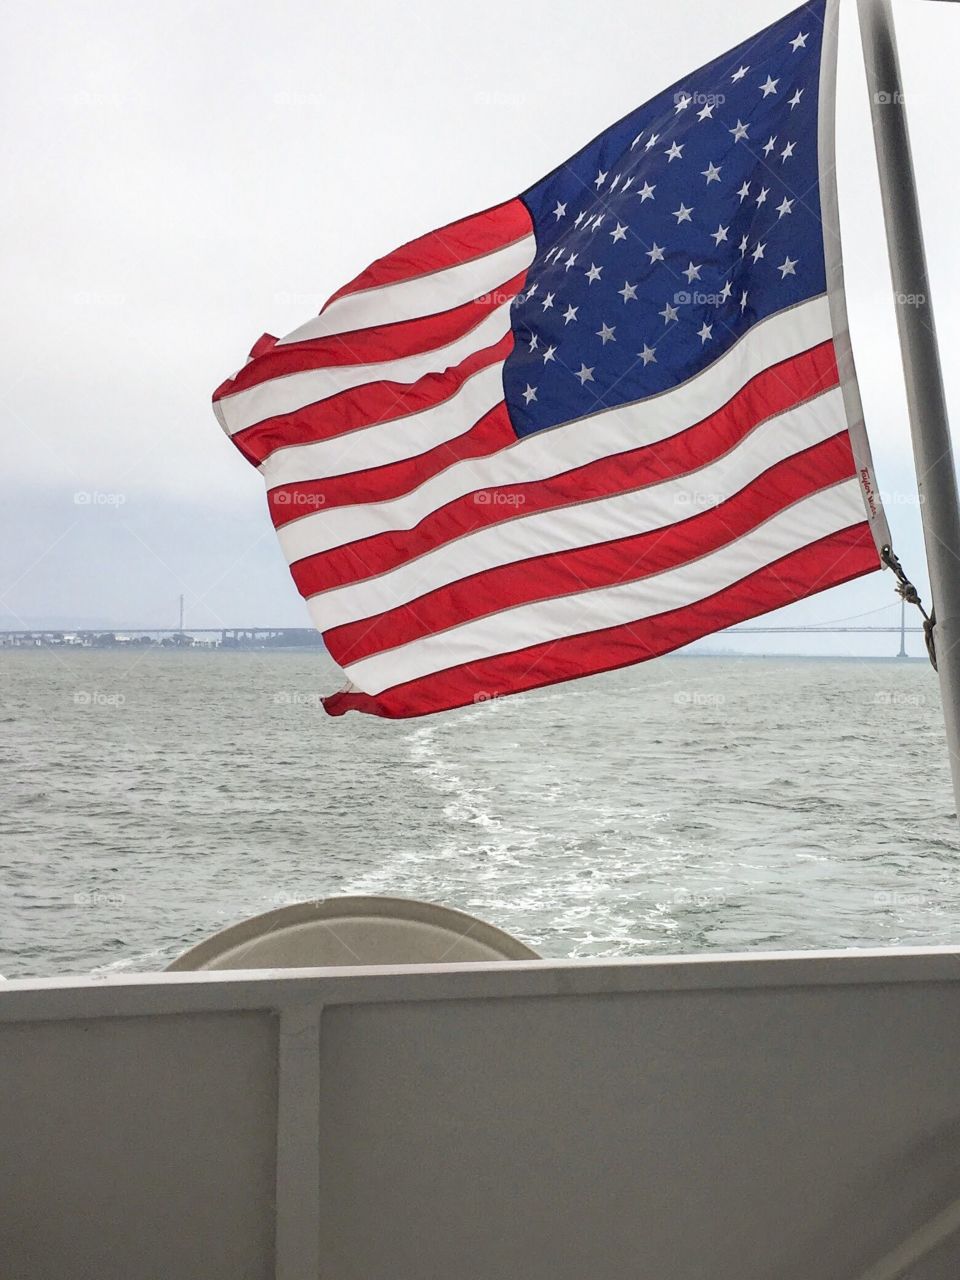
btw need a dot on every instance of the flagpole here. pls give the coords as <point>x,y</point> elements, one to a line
<point>926,402</point>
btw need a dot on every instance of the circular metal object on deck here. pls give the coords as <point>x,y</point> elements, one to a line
<point>354,931</point>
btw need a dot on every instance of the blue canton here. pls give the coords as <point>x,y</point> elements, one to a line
<point>666,238</point>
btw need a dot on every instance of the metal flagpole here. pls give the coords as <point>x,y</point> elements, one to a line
<point>929,428</point>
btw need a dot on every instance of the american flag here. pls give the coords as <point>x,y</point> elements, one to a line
<point>591,424</point>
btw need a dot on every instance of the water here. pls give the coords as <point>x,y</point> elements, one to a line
<point>148,799</point>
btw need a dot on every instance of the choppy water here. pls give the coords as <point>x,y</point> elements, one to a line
<point>149,799</point>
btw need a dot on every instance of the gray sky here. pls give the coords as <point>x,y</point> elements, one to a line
<point>181,177</point>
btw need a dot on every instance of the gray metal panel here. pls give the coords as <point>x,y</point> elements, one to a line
<point>138,1148</point>
<point>734,1118</point>
<point>796,1135</point>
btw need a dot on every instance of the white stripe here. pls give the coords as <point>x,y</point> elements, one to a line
<point>392,441</point>
<point>422,296</point>
<point>815,517</point>
<point>548,453</point>
<point>587,523</point>
<point>296,390</point>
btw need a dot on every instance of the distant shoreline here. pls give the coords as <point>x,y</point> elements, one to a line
<point>220,650</point>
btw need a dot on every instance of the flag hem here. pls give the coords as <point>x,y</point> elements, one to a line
<point>833,267</point>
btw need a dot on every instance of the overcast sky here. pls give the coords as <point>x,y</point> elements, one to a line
<point>181,177</point>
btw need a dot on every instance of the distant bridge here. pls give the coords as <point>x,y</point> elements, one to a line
<point>278,637</point>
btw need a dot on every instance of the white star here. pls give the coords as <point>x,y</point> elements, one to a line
<point>770,86</point>
<point>682,103</point>
<point>628,292</point>
<point>674,152</point>
<point>534,342</point>
<point>758,251</point>
<point>739,130</point>
<point>628,184</point>
<point>599,179</point>
<point>720,234</point>
<point>682,214</point>
<point>598,219</point>
<point>652,141</point>
<point>726,291</point>
<point>771,143</point>
<point>531,291</point>
<point>787,268</point>
<point>570,314</point>
<point>605,333</point>
<point>580,217</point>
<point>593,273</point>
<point>705,332</point>
<point>585,375</point>
<point>655,254</point>
<point>636,140</point>
<point>646,192</point>
<point>743,246</point>
<point>570,261</point>
<point>711,173</point>
<point>706,113</point>
<point>548,354</point>
<point>692,273</point>
<point>619,232</point>
<point>647,355</point>
<point>787,151</point>
<point>560,211</point>
<point>530,393</point>
<point>669,313</point>
<point>800,42</point>
<point>795,100</point>
<point>615,183</point>
<point>744,192</point>
<point>547,302</point>
<point>739,74</point>
<point>786,206</point>
<point>762,197</point>
<point>743,301</point>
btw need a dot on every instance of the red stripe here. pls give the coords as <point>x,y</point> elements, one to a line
<point>771,392</point>
<point>825,563</point>
<point>493,432</point>
<point>448,246</point>
<point>371,346</point>
<point>364,406</point>
<point>601,565</point>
